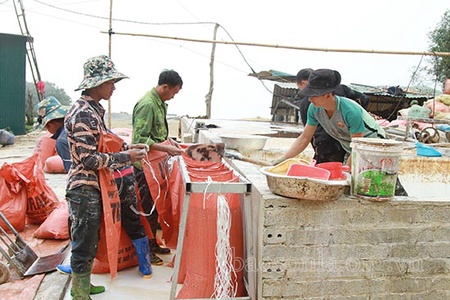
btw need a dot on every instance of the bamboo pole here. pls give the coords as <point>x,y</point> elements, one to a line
<point>425,53</point>
<point>109,54</point>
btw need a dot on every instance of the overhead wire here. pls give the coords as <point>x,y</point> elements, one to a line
<point>168,23</point>
<point>406,90</point>
<point>223,28</point>
<point>120,20</point>
<point>133,21</point>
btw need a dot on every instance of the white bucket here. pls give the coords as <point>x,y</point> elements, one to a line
<point>375,164</point>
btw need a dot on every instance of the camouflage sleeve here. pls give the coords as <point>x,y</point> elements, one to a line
<point>85,133</point>
<point>142,124</point>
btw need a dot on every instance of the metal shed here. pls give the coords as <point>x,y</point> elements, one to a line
<point>386,101</point>
<point>383,103</point>
<point>12,82</point>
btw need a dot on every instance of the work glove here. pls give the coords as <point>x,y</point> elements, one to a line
<point>278,160</point>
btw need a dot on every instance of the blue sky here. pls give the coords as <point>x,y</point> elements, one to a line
<point>67,32</point>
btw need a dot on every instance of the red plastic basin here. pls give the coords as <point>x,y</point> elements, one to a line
<point>300,170</point>
<point>335,168</point>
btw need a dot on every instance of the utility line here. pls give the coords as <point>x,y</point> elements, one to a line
<point>120,20</point>
<point>148,23</point>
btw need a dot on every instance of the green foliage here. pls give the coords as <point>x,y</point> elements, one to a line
<point>440,42</point>
<point>32,99</point>
<point>29,128</point>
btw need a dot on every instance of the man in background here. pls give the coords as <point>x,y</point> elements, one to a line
<point>51,118</point>
<point>326,148</point>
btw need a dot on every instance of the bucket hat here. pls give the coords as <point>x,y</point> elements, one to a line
<point>97,70</point>
<point>49,109</point>
<point>321,82</point>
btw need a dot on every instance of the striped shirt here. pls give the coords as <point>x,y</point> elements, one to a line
<point>84,123</point>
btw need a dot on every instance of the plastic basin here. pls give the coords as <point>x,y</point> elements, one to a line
<point>305,188</point>
<point>244,142</point>
<point>335,168</point>
<point>300,170</point>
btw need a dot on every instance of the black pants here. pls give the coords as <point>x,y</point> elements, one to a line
<point>329,152</point>
<point>130,219</point>
<point>146,200</point>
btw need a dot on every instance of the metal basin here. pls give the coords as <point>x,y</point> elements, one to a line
<point>305,188</point>
<point>244,142</point>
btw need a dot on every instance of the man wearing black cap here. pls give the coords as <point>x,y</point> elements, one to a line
<point>326,148</point>
<point>342,118</point>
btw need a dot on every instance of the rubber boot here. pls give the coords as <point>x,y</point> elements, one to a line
<point>144,256</point>
<point>95,289</point>
<point>156,248</point>
<point>64,269</point>
<point>67,270</point>
<point>81,285</point>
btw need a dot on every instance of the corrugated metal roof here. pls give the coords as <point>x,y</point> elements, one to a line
<point>410,93</point>
<point>415,92</point>
<point>382,103</point>
<point>287,81</point>
<point>274,75</point>
<point>287,85</point>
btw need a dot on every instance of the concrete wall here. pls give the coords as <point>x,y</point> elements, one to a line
<point>347,249</point>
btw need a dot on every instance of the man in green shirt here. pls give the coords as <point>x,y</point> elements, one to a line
<point>150,127</point>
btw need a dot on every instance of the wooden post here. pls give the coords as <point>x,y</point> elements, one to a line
<point>211,75</point>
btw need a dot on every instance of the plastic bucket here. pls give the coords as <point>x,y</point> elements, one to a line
<point>375,164</point>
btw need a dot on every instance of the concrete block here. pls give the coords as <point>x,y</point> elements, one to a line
<point>438,249</point>
<point>407,284</point>
<point>403,215</point>
<point>274,235</point>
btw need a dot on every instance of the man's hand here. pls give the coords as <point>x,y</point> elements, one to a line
<point>137,154</point>
<point>140,146</point>
<point>174,143</point>
<point>174,150</point>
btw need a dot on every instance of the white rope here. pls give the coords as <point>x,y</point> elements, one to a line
<point>120,186</point>
<point>156,179</point>
<point>209,181</point>
<point>223,284</point>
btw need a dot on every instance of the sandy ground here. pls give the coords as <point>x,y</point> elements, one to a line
<point>24,146</point>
